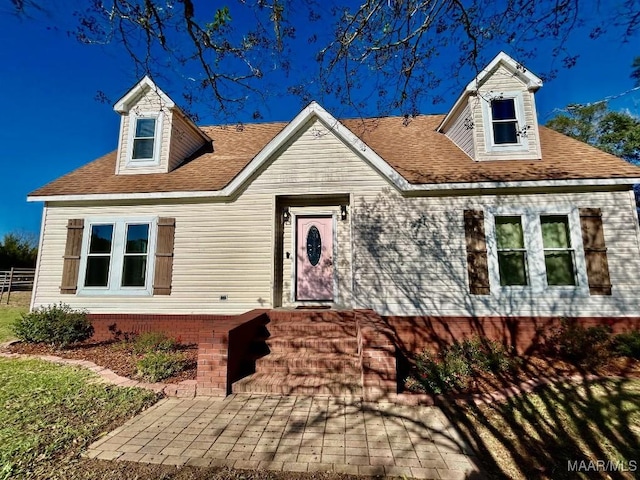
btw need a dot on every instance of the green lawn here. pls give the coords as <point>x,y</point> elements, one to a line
<point>51,412</point>
<point>7,316</point>
<point>8,313</point>
<point>539,435</point>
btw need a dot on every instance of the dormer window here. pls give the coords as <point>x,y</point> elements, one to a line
<point>145,140</point>
<point>504,121</point>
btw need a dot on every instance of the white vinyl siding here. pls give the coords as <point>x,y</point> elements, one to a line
<point>184,141</point>
<point>408,254</point>
<point>461,130</point>
<point>410,257</point>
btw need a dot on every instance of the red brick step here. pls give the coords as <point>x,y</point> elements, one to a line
<point>311,353</point>
<point>304,364</point>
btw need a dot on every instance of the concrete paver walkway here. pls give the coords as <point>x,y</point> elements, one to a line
<point>293,433</point>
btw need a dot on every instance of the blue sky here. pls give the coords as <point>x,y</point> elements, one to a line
<point>52,122</point>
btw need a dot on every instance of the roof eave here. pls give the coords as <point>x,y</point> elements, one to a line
<point>229,190</point>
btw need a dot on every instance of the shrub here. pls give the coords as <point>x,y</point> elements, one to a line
<point>483,354</point>
<point>153,342</point>
<point>454,366</point>
<point>57,324</point>
<point>438,375</point>
<point>157,366</point>
<point>586,347</point>
<point>627,344</point>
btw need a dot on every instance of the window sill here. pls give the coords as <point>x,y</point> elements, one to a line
<point>547,292</point>
<point>142,163</point>
<point>87,292</point>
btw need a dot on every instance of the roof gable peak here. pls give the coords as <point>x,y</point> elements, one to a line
<point>124,104</point>
<point>315,110</point>
<point>532,81</point>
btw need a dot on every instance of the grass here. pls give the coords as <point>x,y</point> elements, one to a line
<point>51,412</point>
<point>8,313</point>
<point>538,434</point>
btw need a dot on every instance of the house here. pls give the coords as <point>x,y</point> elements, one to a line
<point>436,225</point>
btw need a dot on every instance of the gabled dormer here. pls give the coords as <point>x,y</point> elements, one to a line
<point>495,117</point>
<point>155,135</point>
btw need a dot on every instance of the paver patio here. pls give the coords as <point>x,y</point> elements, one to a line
<point>293,433</point>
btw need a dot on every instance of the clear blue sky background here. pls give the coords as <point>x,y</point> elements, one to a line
<point>52,124</point>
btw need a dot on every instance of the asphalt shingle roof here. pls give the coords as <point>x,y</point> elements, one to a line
<point>414,149</point>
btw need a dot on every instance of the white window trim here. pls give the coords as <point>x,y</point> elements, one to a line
<point>490,146</point>
<point>532,230</point>
<point>113,287</point>
<point>157,140</point>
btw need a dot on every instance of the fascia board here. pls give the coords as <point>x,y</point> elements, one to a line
<point>409,188</point>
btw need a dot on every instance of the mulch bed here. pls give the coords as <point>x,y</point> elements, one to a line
<point>114,355</point>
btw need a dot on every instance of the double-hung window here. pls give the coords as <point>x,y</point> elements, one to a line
<point>145,140</point>
<point>536,250</point>
<point>558,255</point>
<point>511,252</point>
<point>504,121</point>
<point>99,255</point>
<point>116,257</point>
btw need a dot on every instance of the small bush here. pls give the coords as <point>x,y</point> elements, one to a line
<point>438,375</point>
<point>587,347</point>
<point>153,342</point>
<point>627,344</point>
<point>157,366</point>
<point>483,354</point>
<point>57,324</point>
<point>455,366</point>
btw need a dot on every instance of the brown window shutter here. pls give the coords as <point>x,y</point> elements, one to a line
<point>164,256</point>
<point>72,250</point>
<point>477,265</point>
<point>595,251</point>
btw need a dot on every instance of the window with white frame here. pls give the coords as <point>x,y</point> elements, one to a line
<point>116,257</point>
<point>558,255</point>
<point>145,141</point>
<point>504,120</point>
<point>536,250</point>
<point>511,251</point>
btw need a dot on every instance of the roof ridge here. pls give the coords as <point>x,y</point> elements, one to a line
<point>285,122</point>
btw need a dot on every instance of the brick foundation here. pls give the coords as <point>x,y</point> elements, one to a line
<point>384,343</point>
<point>524,334</point>
<point>184,328</point>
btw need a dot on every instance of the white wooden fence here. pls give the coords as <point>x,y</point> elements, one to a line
<point>16,279</point>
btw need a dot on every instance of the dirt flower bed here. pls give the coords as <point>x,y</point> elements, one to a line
<point>114,355</point>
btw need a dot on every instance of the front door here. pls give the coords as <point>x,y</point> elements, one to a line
<point>314,258</point>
